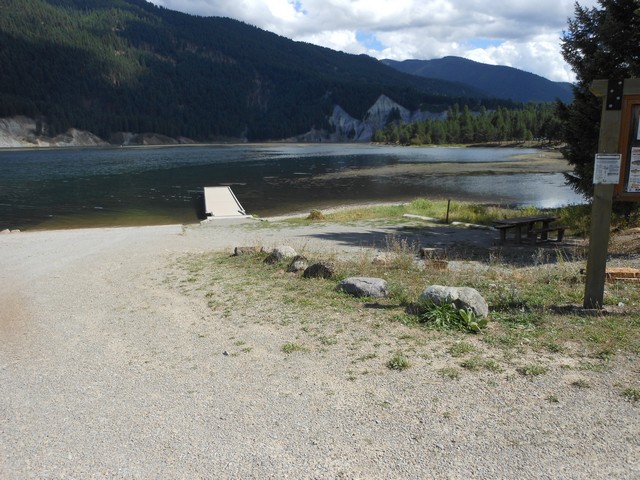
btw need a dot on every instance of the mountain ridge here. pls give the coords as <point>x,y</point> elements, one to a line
<point>497,81</point>
<point>113,66</point>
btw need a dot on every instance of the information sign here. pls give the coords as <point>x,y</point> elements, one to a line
<point>606,170</point>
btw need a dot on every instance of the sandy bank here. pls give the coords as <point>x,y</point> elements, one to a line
<point>542,162</point>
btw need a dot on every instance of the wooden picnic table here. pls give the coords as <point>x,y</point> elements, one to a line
<point>529,227</point>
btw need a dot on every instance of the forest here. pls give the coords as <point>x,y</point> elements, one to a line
<point>110,66</point>
<point>532,121</point>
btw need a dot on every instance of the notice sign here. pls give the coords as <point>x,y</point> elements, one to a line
<point>633,182</point>
<point>607,168</point>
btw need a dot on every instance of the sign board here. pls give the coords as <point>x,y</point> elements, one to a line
<point>628,188</point>
<point>606,170</point>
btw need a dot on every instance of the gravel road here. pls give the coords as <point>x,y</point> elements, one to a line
<point>108,371</point>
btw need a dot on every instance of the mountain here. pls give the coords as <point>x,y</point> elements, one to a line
<point>109,66</point>
<point>495,81</point>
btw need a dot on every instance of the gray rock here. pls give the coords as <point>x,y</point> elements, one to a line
<point>320,270</point>
<point>298,264</point>
<point>280,253</point>
<point>384,258</point>
<point>364,287</point>
<point>461,297</point>
<point>6,231</point>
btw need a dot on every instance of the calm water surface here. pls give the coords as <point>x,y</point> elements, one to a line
<point>60,188</point>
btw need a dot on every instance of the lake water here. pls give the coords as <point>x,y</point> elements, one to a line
<point>58,188</point>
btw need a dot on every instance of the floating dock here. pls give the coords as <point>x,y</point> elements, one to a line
<point>221,202</point>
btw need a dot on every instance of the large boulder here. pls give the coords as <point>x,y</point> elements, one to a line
<point>364,287</point>
<point>280,253</point>
<point>461,297</point>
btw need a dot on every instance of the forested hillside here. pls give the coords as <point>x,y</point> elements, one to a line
<point>126,65</point>
<point>533,121</point>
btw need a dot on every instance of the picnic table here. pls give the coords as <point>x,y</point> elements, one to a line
<point>533,228</point>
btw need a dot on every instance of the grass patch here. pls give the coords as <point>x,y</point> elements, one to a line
<point>291,347</point>
<point>480,363</point>
<point>460,349</point>
<point>631,394</point>
<point>532,370</point>
<point>451,373</point>
<point>459,211</point>
<point>398,362</point>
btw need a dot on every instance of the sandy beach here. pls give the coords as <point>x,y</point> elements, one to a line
<point>110,370</point>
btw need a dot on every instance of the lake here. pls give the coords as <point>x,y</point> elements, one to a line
<point>60,188</point>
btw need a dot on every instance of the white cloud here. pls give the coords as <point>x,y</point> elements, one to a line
<point>517,33</point>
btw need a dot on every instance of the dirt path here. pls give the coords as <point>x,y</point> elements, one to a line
<point>108,370</point>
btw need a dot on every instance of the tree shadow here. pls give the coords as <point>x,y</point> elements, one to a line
<point>458,243</point>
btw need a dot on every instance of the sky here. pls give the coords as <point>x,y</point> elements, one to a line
<point>524,34</point>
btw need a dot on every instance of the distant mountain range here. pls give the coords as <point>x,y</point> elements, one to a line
<point>493,80</point>
<point>113,66</point>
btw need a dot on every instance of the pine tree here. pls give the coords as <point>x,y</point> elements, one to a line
<point>600,43</point>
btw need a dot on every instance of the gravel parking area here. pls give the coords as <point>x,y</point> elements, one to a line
<point>109,371</point>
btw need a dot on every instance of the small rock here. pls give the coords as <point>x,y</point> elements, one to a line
<point>5,231</point>
<point>320,270</point>
<point>280,253</point>
<point>298,264</point>
<point>461,297</point>
<point>364,287</point>
<point>225,353</point>
<point>384,258</point>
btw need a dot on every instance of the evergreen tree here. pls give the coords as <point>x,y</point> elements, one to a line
<point>600,43</point>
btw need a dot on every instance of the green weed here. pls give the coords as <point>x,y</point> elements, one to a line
<point>461,348</point>
<point>631,394</point>
<point>291,347</point>
<point>398,362</point>
<point>448,317</point>
<point>532,370</point>
<point>450,373</point>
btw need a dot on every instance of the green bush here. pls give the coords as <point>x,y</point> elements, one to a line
<point>448,317</point>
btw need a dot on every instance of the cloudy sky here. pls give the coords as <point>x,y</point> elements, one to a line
<point>524,34</point>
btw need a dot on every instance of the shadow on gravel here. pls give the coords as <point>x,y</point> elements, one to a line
<point>459,243</point>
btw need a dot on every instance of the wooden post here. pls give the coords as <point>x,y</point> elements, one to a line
<point>598,246</point>
<point>448,205</point>
<point>602,203</point>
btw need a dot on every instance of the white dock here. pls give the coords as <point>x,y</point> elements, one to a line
<point>221,202</point>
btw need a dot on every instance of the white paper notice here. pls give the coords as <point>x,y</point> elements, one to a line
<point>607,168</point>
<point>633,182</point>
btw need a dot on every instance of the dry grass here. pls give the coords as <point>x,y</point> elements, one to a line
<point>534,318</point>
